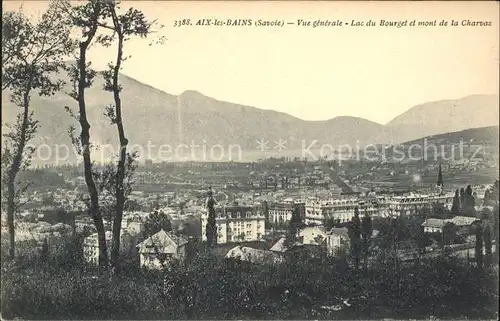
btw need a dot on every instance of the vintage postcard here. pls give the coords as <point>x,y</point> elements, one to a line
<point>249,160</point>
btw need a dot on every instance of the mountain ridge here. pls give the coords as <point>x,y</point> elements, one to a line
<point>152,116</point>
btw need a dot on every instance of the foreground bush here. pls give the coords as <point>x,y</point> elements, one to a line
<point>211,288</point>
<point>36,294</point>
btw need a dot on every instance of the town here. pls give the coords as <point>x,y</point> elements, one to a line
<point>249,211</point>
<point>275,211</point>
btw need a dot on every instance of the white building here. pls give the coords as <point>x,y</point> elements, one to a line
<point>314,211</point>
<point>331,240</point>
<point>313,235</point>
<point>335,239</point>
<point>281,213</point>
<point>84,224</point>
<point>236,223</point>
<point>91,247</point>
<point>159,250</point>
<point>341,210</point>
<point>433,225</point>
<point>409,204</point>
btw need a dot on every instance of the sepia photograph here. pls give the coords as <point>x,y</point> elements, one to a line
<point>249,160</point>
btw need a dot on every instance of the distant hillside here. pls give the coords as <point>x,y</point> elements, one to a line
<point>471,144</point>
<point>445,116</point>
<point>483,135</point>
<point>154,118</point>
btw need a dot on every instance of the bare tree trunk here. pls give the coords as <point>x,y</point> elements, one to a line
<point>11,209</point>
<point>94,210</point>
<point>120,171</point>
<point>13,171</point>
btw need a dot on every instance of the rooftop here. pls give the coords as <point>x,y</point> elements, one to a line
<point>340,231</point>
<point>434,222</point>
<point>252,255</point>
<point>463,220</point>
<point>279,246</point>
<point>161,242</point>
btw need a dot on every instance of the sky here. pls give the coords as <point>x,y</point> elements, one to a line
<point>314,73</point>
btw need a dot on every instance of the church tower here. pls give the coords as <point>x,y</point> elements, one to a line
<point>439,184</point>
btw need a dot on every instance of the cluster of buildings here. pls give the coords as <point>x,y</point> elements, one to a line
<point>436,225</point>
<point>310,241</point>
<point>153,251</point>
<point>245,220</point>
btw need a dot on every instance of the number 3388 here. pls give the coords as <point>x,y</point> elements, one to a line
<point>183,22</point>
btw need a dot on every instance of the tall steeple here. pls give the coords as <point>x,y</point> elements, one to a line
<point>440,177</point>
<point>440,180</point>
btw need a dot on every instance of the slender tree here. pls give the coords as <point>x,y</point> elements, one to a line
<point>211,227</point>
<point>468,190</point>
<point>488,245</point>
<point>449,232</point>
<point>293,227</point>
<point>479,245</point>
<point>455,207</point>
<point>366,232</point>
<point>122,27</point>
<point>32,54</point>
<point>355,237</point>
<point>44,253</point>
<point>486,198</point>
<point>296,219</point>
<point>462,199</point>
<point>491,194</point>
<point>86,17</point>
<point>469,201</point>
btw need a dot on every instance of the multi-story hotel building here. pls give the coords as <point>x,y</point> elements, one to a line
<point>281,213</point>
<point>236,223</point>
<point>342,210</point>
<point>410,204</point>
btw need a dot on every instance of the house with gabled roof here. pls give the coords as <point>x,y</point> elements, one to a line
<point>433,225</point>
<point>161,249</point>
